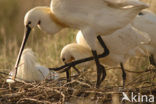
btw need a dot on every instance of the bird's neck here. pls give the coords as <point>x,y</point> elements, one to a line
<point>57,21</point>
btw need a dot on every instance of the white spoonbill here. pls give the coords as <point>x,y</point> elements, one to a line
<point>146,22</point>
<point>82,14</point>
<point>29,70</point>
<point>121,48</point>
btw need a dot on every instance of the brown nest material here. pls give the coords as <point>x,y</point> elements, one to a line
<point>78,90</point>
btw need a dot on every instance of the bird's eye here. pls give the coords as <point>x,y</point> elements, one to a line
<point>63,59</point>
<point>140,14</point>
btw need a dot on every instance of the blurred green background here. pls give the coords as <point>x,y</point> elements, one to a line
<point>47,47</point>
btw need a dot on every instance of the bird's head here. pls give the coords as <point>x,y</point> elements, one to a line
<point>66,54</point>
<point>43,18</point>
<point>73,52</point>
<point>32,18</point>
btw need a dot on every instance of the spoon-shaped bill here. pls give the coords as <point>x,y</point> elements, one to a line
<point>26,35</point>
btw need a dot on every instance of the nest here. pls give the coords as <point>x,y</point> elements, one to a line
<point>80,90</point>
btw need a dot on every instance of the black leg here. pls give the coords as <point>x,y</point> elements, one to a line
<point>77,70</point>
<point>100,70</point>
<point>123,74</point>
<point>68,75</point>
<point>68,72</point>
<point>152,61</point>
<point>106,50</point>
<point>103,74</point>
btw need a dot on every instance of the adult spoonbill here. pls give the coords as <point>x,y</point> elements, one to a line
<point>29,70</point>
<point>90,16</point>
<point>146,22</point>
<point>94,17</point>
<point>129,47</point>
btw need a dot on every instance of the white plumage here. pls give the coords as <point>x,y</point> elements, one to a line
<point>29,70</point>
<point>95,17</point>
<point>43,18</point>
<point>123,44</point>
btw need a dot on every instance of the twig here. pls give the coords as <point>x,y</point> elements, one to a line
<point>61,93</point>
<point>12,95</point>
<point>34,100</point>
<point>73,81</point>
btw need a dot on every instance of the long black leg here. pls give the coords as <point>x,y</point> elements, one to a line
<point>103,75</point>
<point>68,75</point>
<point>106,50</point>
<point>68,72</point>
<point>123,74</point>
<point>105,53</point>
<point>101,72</point>
<point>152,61</point>
<point>98,69</point>
<point>77,70</point>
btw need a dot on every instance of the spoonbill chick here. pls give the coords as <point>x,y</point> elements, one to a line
<point>72,52</point>
<point>29,70</point>
<point>146,22</point>
<point>121,47</point>
<point>82,14</point>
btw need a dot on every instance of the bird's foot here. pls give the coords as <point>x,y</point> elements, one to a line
<point>101,74</point>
